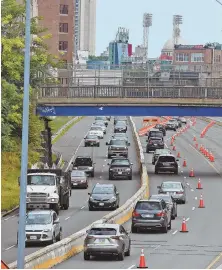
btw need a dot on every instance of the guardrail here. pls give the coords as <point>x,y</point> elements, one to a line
<point>129,92</point>
<point>49,256</point>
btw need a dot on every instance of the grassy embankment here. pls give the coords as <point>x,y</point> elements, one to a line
<point>10,168</point>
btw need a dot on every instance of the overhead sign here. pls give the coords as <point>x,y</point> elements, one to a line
<point>189,47</point>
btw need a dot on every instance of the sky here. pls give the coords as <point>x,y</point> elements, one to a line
<point>202,21</point>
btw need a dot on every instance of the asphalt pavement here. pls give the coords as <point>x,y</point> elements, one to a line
<point>77,216</point>
<point>201,247</point>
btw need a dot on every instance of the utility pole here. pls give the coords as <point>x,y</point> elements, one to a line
<point>25,138</point>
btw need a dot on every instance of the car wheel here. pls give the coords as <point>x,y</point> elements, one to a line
<point>130,177</point>
<point>169,226</point>
<point>85,145</point>
<point>128,251</point>
<point>98,145</point>
<point>153,163</point>
<point>86,256</point>
<point>121,256</point>
<point>109,157</point>
<point>147,151</point>
<point>110,177</point>
<point>173,217</point>
<point>133,229</point>
<point>183,202</point>
<point>90,208</point>
<point>92,174</point>
<point>176,172</point>
<point>156,172</point>
<point>59,237</point>
<point>53,241</point>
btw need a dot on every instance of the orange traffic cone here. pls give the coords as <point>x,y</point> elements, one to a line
<point>184,163</point>
<point>184,226</point>
<point>142,261</point>
<point>171,143</point>
<point>201,203</point>
<point>174,148</point>
<point>178,155</point>
<point>194,139</point>
<point>212,158</point>
<point>191,174</point>
<point>201,148</point>
<point>199,185</point>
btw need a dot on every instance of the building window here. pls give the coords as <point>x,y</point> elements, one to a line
<point>63,27</point>
<point>182,57</point>
<point>64,9</point>
<point>197,57</point>
<point>63,45</point>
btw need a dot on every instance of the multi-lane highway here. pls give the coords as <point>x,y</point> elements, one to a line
<point>201,247</point>
<point>77,216</point>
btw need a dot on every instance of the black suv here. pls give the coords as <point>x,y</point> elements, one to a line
<point>151,214</point>
<point>84,163</point>
<point>120,168</point>
<point>117,147</point>
<point>161,128</point>
<point>166,163</point>
<point>120,127</point>
<point>104,196</point>
<point>158,152</point>
<point>154,143</point>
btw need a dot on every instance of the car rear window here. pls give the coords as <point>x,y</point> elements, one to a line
<point>148,206</point>
<point>166,159</point>
<point>102,231</point>
<point>171,185</point>
<point>155,134</point>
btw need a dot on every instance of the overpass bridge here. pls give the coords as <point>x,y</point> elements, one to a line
<point>133,101</point>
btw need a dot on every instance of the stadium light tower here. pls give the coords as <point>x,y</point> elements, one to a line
<point>147,22</point>
<point>177,20</point>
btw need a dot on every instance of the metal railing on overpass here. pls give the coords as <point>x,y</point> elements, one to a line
<point>106,92</point>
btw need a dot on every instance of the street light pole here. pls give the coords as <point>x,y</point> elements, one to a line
<point>25,137</point>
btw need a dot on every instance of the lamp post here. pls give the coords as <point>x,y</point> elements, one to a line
<point>25,137</point>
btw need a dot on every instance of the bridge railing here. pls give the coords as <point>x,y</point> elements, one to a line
<point>130,92</point>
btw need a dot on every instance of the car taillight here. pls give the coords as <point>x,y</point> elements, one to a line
<point>160,214</point>
<point>179,192</point>
<point>136,214</point>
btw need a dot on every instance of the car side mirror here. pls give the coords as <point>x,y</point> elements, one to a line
<point>107,143</point>
<point>89,193</point>
<point>72,163</point>
<point>177,159</point>
<point>117,193</point>
<point>56,221</point>
<point>158,187</point>
<point>19,180</point>
<point>108,164</point>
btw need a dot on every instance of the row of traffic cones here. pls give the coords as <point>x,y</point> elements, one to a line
<point>208,154</point>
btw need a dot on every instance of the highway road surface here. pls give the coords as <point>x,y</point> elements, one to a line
<point>77,216</point>
<point>201,247</point>
<point>219,119</point>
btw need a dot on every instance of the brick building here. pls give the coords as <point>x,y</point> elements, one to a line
<point>206,60</point>
<point>58,18</point>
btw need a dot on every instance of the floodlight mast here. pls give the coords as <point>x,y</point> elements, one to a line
<point>147,23</point>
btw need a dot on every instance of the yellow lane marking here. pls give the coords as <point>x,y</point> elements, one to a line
<point>214,261</point>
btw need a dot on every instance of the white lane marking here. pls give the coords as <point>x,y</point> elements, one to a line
<point>67,218</point>
<point>187,219</point>
<point>6,218</point>
<point>195,198</point>
<point>131,266</point>
<point>100,177</point>
<point>156,247</point>
<point>166,145</point>
<point>10,247</point>
<point>192,189</point>
<point>188,184</point>
<point>193,208</point>
<point>105,160</point>
<point>175,232</point>
<point>83,207</point>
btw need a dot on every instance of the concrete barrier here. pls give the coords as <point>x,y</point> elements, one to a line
<point>49,256</point>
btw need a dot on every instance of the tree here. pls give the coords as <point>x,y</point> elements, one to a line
<point>13,44</point>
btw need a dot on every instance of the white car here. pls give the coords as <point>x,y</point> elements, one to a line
<point>100,124</point>
<point>96,132</point>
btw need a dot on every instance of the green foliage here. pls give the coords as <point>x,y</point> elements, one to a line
<point>101,58</point>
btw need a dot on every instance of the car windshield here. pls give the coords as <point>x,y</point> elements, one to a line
<point>155,134</point>
<point>96,128</point>
<point>43,219</point>
<point>102,231</point>
<point>166,159</point>
<point>124,162</point>
<point>148,206</point>
<point>41,180</point>
<point>118,142</point>
<point>83,161</point>
<point>120,122</point>
<point>103,190</point>
<point>171,185</point>
<point>78,174</point>
<point>92,137</point>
